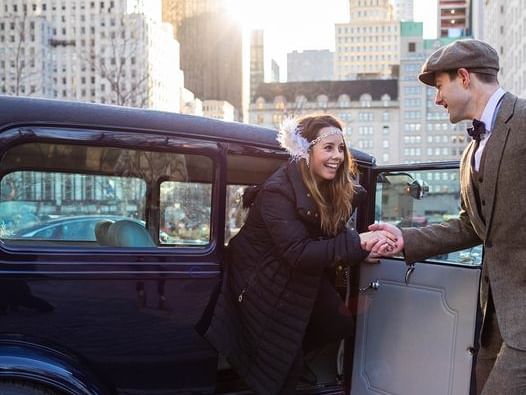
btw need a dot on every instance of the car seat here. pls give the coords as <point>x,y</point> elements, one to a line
<point>101,232</point>
<point>128,233</point>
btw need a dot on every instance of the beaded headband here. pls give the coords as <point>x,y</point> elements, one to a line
<point>326,134</point>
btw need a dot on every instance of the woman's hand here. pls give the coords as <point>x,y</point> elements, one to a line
<point>373,258</point>
<point>378,242</point>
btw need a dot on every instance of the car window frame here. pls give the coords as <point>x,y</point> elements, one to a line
<point>125,139</point>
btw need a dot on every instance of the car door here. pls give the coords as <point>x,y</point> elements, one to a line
<point>416,324</point>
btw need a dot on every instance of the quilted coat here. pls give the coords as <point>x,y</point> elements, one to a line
<point>273,269</point>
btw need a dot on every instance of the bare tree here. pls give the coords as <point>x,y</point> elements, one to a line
<point>120,62</point>
<point>24,63</point>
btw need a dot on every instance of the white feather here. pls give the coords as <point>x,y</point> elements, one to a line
<point>290,138</point>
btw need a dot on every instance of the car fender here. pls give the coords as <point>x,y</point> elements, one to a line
<point>22,359</point>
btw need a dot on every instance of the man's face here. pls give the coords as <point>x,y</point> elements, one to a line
<point>453,95</point>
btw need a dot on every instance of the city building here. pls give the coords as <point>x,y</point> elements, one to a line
<point>454,18</point>
<point>212,49</point>
<point>116,52</point>
<point>274,71</point>
<point>310,65</point>
<point>367,46</point>
<point>218,109</point>
<point>404,10</point>
<point>368,109</point>
<point>257,60</point>
<point>426,134</point>
<point>26,66</point>
<point>478,18</point>
<point>505,28</point>
<point>190,104</point>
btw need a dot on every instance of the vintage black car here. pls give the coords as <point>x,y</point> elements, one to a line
<point>115,313</point>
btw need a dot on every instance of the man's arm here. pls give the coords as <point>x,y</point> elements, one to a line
<point>421,243</point>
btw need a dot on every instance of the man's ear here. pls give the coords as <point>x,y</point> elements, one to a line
<point>464,76</point>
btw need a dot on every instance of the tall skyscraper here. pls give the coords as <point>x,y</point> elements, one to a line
<point>504,27</point>
<point>116,52</point>
<point>367,46</point>
<point>454,18</point>
<point>274,71</point>
<point>211,50</point>
<point>257,60</point>
<point>426,132</point>
<point>310,65</point>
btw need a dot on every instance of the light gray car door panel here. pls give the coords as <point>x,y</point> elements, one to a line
<point>415,338</point>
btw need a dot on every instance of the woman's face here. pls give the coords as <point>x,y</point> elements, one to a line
<point>327,155</point>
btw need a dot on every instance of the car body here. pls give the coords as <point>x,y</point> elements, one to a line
<point>81,317</point>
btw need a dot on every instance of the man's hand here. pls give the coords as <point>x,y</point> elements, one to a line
<point>378,242</point>
<point>398,244</point>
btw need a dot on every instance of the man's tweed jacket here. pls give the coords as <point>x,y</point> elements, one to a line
<point>503,233</point>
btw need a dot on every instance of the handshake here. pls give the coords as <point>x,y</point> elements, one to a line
<point>382,240</point>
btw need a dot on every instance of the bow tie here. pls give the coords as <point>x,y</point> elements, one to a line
<point>478,130</point>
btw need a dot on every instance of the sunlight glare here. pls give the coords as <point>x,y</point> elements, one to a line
<point>248,13</point>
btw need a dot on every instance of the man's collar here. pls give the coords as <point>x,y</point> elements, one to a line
<point>488,115</point>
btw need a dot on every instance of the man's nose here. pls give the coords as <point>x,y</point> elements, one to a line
<point>438,98</point>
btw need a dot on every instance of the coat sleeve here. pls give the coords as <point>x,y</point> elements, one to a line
<point>293,243</point>
<point>453,235</point>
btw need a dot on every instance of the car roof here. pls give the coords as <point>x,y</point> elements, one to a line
<point>25,111</point>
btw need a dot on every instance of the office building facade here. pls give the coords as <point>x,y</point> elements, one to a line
<point>367,46</point>
<point>368,109</point>
<point>115,52</point>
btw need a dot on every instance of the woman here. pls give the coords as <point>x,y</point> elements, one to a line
<point>276,297</point>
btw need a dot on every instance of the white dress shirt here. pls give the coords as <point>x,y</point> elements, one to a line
<point>488,117</point>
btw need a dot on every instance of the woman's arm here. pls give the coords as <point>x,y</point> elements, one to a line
<point>293,242</point>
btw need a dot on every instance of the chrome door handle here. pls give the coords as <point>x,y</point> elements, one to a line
<point>372,285</point>
<point>408,272</point>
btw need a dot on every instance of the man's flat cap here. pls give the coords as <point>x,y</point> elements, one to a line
<point>474,55</point>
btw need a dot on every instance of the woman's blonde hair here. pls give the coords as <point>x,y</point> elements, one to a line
<point>333,198</point>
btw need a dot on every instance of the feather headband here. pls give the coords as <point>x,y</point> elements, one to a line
<point>290,138</point>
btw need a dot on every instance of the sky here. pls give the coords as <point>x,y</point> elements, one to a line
<point>307,24</point>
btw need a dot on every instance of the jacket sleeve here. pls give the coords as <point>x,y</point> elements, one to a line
<point>453,235</point>
<point>293,243</point>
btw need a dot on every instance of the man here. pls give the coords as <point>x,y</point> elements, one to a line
<point>493,205</point>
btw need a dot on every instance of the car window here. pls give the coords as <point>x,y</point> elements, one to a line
<point>57,206</point>
<point>235,213</point>
<point>60,193</point>
<point>420,198</point>
<point>243,172</point>
<point>185,213</point>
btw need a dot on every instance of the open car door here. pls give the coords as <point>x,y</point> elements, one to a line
<point>416,324</point>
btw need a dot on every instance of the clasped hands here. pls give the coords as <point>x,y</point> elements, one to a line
<point>382,240</point>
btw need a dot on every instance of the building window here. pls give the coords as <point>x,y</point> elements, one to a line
<point>365,100</point>
<point>411,47</point>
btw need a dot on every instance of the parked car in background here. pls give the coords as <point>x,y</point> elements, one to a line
<point>76,228</point>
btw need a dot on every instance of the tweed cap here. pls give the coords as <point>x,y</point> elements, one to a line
<point>475,55</point>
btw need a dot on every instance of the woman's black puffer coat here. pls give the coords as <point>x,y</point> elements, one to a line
<point>273,270</point>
